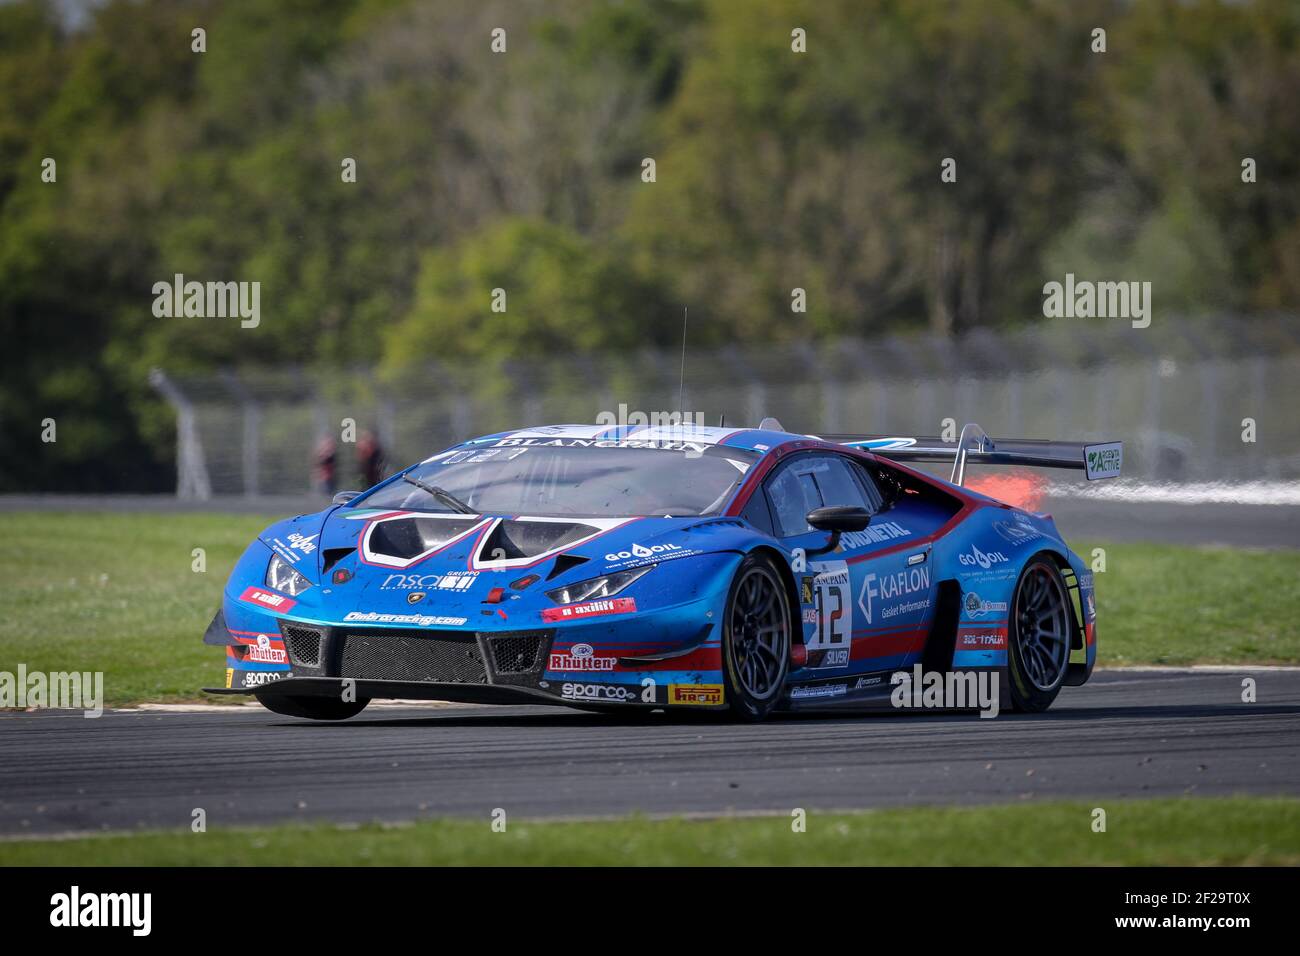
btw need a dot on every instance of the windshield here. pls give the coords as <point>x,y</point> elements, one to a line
<point>564,478</point>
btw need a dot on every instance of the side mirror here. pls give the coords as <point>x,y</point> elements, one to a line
<point>837,520</point>
<point>343,497</point>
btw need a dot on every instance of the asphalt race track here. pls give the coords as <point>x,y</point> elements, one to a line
<point>1126,734</point>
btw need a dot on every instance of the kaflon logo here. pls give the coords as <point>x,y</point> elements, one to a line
<point>891,586</point>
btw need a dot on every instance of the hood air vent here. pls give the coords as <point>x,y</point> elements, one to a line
<point>512,540</point>
<point>408,537</point>
<point>332,556</point>
<point>565,562</point>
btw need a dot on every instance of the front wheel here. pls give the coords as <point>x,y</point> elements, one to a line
<point>1038,648</point>
<point>313,708</point>
<point>756,638</point>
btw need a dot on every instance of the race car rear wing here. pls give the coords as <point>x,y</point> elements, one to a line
<point>1102,460</point>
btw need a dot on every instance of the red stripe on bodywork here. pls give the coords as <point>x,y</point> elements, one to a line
<point>700,659</point>
<point>885,645</point>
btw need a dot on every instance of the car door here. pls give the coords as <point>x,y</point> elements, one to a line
<point>867,605</point>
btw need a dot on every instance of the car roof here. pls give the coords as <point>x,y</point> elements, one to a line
<point>753,439</point>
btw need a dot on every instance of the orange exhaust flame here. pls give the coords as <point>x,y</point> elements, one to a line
<point>1019,488</point>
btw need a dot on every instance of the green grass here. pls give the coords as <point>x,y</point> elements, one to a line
<point>1165,604</point>
<point>1259,831</point>
<point>116,593</point>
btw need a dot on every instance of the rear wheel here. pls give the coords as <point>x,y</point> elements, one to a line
<point>313,708</point>
<point>1038,646</point>
<point>756,638</point>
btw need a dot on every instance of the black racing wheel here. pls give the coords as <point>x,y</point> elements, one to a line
<point>756,638</point>
<point>1038,632</point>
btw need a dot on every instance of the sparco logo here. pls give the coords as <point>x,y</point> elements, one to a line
<point>984,559</point>
<point>640,551</point>
<point>891,586</point>
<point>596,692</point>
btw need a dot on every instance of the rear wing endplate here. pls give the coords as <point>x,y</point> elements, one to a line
<point>1102,460</point>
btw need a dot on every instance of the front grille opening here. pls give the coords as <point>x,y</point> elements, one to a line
<point>517,654</point>
<point>444,657</point>
<point>518,657</point>
<point>302,643</point>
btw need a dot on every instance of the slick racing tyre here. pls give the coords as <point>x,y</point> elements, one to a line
<point>1038,632</point>
<point>315,708</point>
<point>756,638</point>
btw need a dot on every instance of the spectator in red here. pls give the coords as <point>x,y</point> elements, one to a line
<point>323,475</point>
<point>370,459</point>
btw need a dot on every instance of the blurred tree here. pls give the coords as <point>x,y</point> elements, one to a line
<point>776,170</point>
<point>822,170</point>
<point>32,65</point>
<point>562,293</point>
<point>77,254</point>
<point>1209,85</point>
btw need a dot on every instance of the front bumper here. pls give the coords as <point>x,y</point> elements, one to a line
<point>397,690</point>
<point>494,666</point>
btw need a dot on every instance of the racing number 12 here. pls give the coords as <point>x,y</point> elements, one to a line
<point>830,622</point>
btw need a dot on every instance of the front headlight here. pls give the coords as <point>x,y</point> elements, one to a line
<point>602,587</point>
<point>281,576</point>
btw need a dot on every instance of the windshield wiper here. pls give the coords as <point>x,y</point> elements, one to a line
<point>442,494</point>
<point>719,501</point>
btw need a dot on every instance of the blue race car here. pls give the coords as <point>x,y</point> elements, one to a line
<point>745,570</point>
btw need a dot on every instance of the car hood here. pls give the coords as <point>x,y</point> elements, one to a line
<point>402,561</point>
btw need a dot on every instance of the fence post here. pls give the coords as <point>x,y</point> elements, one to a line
<point>191,468</point>
<point>250,458</point>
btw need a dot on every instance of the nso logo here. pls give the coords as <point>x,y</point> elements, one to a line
<point>983,559</point>
<point>640,551</point>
